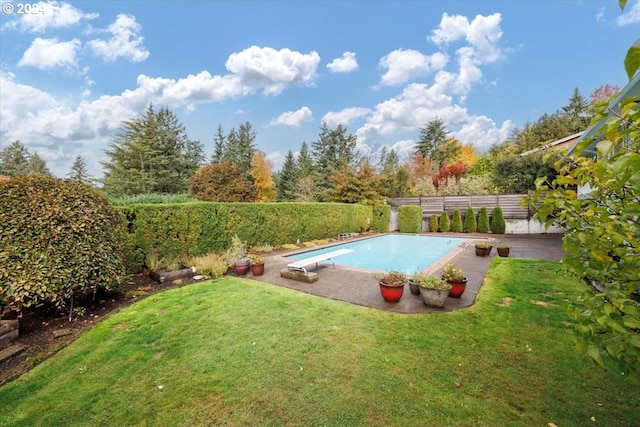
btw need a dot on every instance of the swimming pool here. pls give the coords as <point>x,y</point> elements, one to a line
<point>407,253</point>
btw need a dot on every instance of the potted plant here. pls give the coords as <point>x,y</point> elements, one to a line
<point>391,285</point>
<point>455,277</point>
<point>237,256</point>
<point>433,289</point>
<point>257,265</point>
<point>503,249</point>
<point>413,286</point>
<point>483,248</point>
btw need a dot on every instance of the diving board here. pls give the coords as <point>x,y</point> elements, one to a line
<point>300,265</point>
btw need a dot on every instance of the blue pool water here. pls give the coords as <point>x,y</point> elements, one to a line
<point>407,253</point>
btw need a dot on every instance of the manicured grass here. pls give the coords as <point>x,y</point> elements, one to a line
<point>239,352</point>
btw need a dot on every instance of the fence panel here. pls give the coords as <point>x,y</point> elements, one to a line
<point>435,205</point>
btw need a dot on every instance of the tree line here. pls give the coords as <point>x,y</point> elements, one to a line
<point>153,154</point>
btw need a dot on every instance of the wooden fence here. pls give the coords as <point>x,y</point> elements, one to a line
<point>435,205</point>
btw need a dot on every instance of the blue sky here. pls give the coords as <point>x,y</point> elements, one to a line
<point>71,72</point>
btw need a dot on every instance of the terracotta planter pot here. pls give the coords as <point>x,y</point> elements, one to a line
<point>391,293</point>
<point>503,252</point>
<point>457,288</point>
<point>257,269</point>
<point>433,297</point>
<point>483,251</point>
<point>241,267</point>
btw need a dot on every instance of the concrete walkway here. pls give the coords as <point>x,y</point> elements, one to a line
<point>359,287</point>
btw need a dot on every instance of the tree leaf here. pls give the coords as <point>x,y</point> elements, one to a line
<point>632,60</point>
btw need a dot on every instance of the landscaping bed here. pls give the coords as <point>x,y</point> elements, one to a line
<point>39,327</point>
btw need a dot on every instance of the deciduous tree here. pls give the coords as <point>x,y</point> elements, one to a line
<point>262,177</point>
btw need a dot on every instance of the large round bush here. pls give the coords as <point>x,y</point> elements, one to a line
<point>58,239</point>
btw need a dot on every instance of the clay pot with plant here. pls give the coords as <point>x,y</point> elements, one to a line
<point>434,290</point>
<point>503,249</point>
<point>237,256</point>
<point>391,285</point>
<point>257,265</point>
<point>483,248</point>
<point>456,278</point>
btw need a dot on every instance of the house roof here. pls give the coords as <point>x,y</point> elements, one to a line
<point>552,144</point>
<point>595,132</point>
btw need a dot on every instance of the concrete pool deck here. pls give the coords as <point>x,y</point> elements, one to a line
<point>359,287</point>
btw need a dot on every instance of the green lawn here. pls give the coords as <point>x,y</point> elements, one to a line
<point>239,352</point>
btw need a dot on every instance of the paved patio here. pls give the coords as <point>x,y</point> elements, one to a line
<point>359,287</point>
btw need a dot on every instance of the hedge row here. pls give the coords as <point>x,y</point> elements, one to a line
<point>190,229</point>
<point>471,224</point>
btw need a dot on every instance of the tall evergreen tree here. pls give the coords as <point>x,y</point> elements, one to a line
<point>304,161</point>
<point>37,165</point>
<point>151,155</point>
<point>79,172</point>
<point>14,160</point>
<point>219,147</point>
<point>577,112</point>
<point>285,188</point>
<point>240,147</point>
<point>333,150</point>
<point>434,143</point>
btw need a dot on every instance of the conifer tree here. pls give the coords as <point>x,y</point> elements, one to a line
<point>433,223</point>
<point>151,154</point>
<point>498,225</point>
<point>456,222</point>
<point>286,182</point>
<point>79,171</point>
<point>483,220</point>
<point>445,223</point>
<point>470,224</point>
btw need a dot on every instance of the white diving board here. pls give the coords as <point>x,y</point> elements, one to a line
<point>300,265</point>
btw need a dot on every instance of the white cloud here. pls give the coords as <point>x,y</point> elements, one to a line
<point>405,65</point>
<point>50,53</point>
<point>123,43</point>
<point>482,34</point>
<point>276,159</point>
<point>293,118</point>
<point>59,128</point>
<point>54,14</point>
<point>482,132</point>
<point>345,116</point>
<point>273,70</point>
<point>345,64</point>
<point>631,15</point>
<point>417,105</point>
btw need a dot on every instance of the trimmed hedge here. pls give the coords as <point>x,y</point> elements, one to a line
<point>191,229</point>
<point>498,225</point>
<point>456,222</point>
<point>470,224</point>
<point>444,224</point>
<point>483,220</point>
<point>409,219</point>
<point>433,223</point>
<point>58,239</point>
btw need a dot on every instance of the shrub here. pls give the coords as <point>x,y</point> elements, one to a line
<point>433,223</point>
<point>445,223</point>
<point>470,225</point>
<point>221,182</point>
<point>410,219</point>
<point>456,222</point>
<point>210,265</point>
<point>483,220</point>
<point>498,225</point>
<point>59,239</point>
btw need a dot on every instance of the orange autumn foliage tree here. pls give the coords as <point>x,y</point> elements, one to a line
<point>262,177</point>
